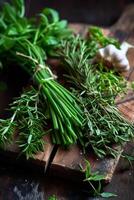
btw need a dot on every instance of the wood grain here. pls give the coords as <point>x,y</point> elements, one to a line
<point>67,164</point>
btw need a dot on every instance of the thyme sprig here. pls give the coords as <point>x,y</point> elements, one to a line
<point>96,87</point>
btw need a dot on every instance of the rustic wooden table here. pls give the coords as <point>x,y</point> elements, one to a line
<point>65,164</point>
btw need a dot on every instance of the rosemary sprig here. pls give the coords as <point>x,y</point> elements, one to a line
<point>7,128</point>
<point>28,121</point>
<point>96,88</point>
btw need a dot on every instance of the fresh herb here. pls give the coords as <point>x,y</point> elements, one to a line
<point>28,120</point>
<point>96,35</point>
<point>26,45</point>
<point>94,179</point>
<point>96,87</point>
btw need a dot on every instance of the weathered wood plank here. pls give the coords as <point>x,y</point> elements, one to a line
<point>40,159</point>
<point>67,163</point>
<point>12,151</point>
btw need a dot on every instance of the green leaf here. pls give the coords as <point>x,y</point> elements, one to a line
<point>97,177</point>
<point>50,40</point>
<point>19,6</point>
<point>129,157</point>
<point>88,169</point>
<point>51,14</point>
<point>97,35</point>
<point>11,31</point>
<point>8,43</point>
<point>107,195</point>
<point>62,24</point>
<point>9,13</point>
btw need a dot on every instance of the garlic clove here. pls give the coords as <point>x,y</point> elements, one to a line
<point>109,50</point>
<point>101,53</point>
<point>123,64</point>
<point>125,46</point>
<point>117,57</point>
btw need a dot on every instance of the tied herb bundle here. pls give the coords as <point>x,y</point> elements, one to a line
<point>65,114</point>
<point>28,45</point>
<point>96,87</point>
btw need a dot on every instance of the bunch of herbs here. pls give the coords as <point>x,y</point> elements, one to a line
<point>25,44</point>
<point>96,87</point>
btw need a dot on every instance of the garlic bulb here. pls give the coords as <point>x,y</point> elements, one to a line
<point>117,57</point>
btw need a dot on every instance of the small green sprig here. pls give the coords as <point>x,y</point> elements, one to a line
<point>94,179</point>
<point>96,35</point>
<point>7,129</point>
<point>28,121</point>
<point>51,30</point>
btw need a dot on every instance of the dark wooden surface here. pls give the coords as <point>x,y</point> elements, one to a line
<point>66,163</point>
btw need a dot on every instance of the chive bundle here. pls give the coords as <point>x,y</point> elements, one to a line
<point>64,112</point>
<point>66,115</point>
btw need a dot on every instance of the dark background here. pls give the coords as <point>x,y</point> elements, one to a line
<point>99,12</point>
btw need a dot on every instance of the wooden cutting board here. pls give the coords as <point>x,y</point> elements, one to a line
<point>65,163</point>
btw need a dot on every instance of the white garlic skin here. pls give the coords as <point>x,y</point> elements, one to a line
<point>117,57</point>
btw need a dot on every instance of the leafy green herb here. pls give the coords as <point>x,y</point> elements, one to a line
<point>51,30</point>
<point>96,87</point>
<point>107,195</point>
<point>7,129</point>
<point>28,46</point>
<point>96,177</point>
<point>28,120</point>
<point>96,35</point>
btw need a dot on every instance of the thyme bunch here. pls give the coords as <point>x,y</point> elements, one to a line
<point>96,88</point>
